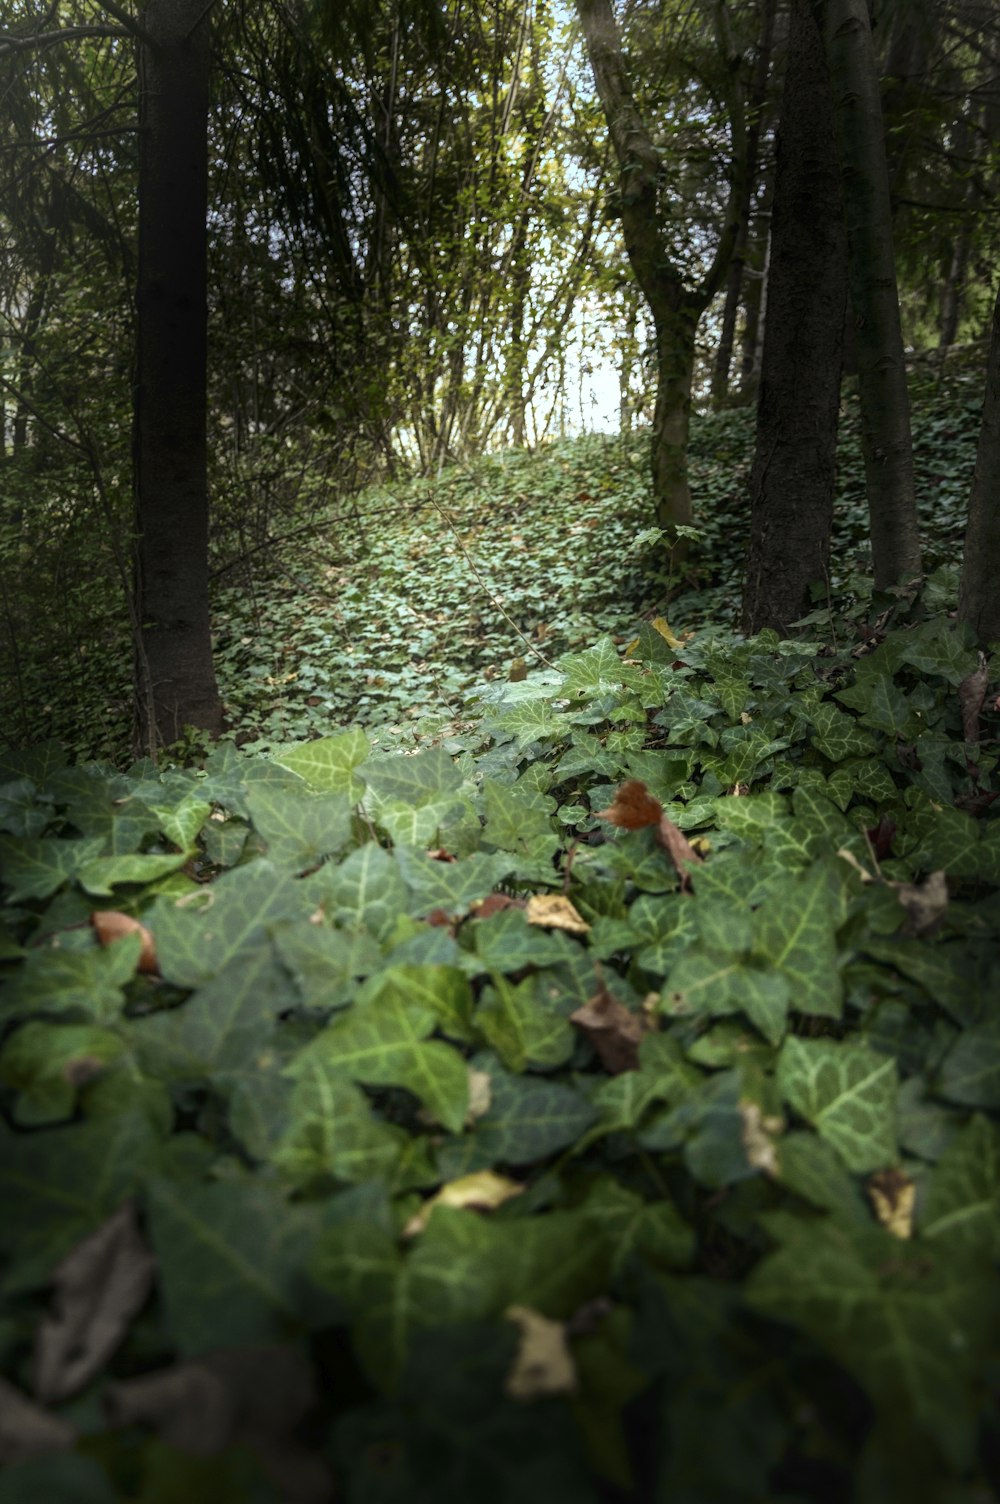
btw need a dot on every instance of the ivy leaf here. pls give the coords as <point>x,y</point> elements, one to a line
<point>196,937</point>
<point>962,1206</point>
<point>452,886</point>
<point>794,931</point>
<point>300,829</point>
<point>909,1328</point>
<point>182,823</point>
<point>326,963</point>
<point>48,1063</point>
<point>330,764</point>
<point>57,981</point>
<point>418,780</point>
<point>222,1030</point>
<point>366,888</point>
<point>837,735</point>
<point>232,1258</point>
<point>332,1131</point>
<point>58,1186</point>
<point>526,1121</point>
<point>848,1093</point>
<point>383,1041</point>
<point>37,866</point>
<point>970,1072</point>
<point>597,671</point>
<point>514,1020</point>
<point>507,942</point>
<point>104,873</point>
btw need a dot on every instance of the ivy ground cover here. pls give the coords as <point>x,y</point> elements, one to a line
<point>600,1105</point>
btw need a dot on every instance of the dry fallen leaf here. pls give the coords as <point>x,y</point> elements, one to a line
<point>482,1191</point>
<point>480,1095</point>
<point>544,1364</point>
<point>925,903</point>
<point>613,1030</point>
<point>971,694</point>
<point>26,1430</point>
<point>554,912</point>
<point>255,1397</point>
<point>659,624</point>
<point>757,1135</point>
<point>493,903</point>
<point>679,849</point>
<point>632,807</point>
<point>892,1194</point>
<point>110,925</point>
<point>99,1287</point>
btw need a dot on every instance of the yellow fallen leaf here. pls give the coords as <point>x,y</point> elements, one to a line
<point>482,1191</point>
<point>892,1194</point>
<point>758,1134</point>
<point>553,911</point>
<point>660,625</point>
<point>544,1364</point>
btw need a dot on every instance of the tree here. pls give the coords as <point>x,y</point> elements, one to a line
<point>885,407</point>
<point>676,304</point>
<point>176,684</point>
<point>979,597</point>
<point>793,476</point>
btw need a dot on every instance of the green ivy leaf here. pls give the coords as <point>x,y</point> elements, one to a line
<point>57,981</point>
<point>970,1072</point>
<point>43,1062</point>
<point>197,936</point>
<point>37,866</point>
<point>848,1093</point>
<point>330,764</point>
<point>300,829</point>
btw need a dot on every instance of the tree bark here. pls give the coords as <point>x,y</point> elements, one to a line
<point>175,677</point>
<point>675,306</point>
<point>793,476</point>
<point>979,597</point>
<point>734,280</point>
<point>885,406</point>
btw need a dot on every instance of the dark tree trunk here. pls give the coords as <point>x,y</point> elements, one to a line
<point>675,306</point>
<point>734,280</point>
<point>792,481</point>
<point>979,597</point>
<point>885,406</point>
<point>755,292</point>
<point>175,678</point>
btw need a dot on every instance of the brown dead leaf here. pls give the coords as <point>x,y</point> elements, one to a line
<point>482,1191</point>
<point>758,1135</point>
<point>27,1430</point>
<point>892,1194</point>
<point>110,925</point>
<point>925,903</point>
<point>632,807</point>
<point>544,1364</point>
<point>679,849</point>
<point>971,694</point>
<point>554,912</point>
<point>613,1030</point>
<point>518,670</point>
<point>251,1396</point>
<point>99,1287</point>
<point>493,903</point>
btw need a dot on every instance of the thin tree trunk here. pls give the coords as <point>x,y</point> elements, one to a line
<point>734,280</point>
<point>979,597</point>
<point>175,680</point>
<point>793,476</point>
<point>675,306</point>
<point>755,293</point>
<point>885,406</point>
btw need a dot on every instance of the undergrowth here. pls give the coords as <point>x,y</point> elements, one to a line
<point>596,1104</point>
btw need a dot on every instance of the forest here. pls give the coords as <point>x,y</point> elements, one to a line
<point>500,739</point>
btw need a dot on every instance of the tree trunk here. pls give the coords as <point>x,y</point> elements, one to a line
<point>792,482</point>
<point>979,598</point>
<point>674,305</point>
<point>885,406</point>
<point>675,341</point>
<point>755,271</point>
<point>175,678</point>
<point>734,280</point>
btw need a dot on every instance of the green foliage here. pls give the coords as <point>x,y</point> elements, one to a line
<point>757,1174</point>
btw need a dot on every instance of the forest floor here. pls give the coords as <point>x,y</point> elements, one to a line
<point>400,604</point>
<point>597,1104</point>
